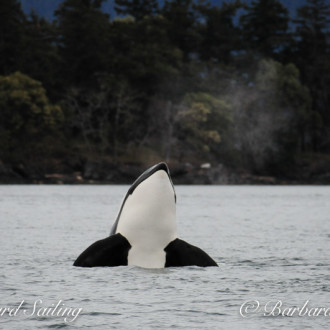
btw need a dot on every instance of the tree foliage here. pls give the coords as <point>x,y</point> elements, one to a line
<point>27,116</point>
<point>83,40</point>
<point>265,26</point>
<point>271,117</point>
<point>311,55</point>
<point>12,22</point>
<point>220,37</point>
<point>138,9</point>
<point>231,83</point>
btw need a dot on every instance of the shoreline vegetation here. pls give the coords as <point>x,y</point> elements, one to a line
<point>78,171</point>
<point>230,93</point>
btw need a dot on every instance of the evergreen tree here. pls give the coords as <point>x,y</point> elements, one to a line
<point>83,40</point>
<point>220,36</point>
<point>146,62</point>
<point>145,56</point>
<point>182,19</point>
<point>12,20</point>
<point>137,8</point>
<point>265,26</point>
<point>312,56</point>
<point>41,59</point>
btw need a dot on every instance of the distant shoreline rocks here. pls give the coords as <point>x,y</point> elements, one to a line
<point>80,171</point>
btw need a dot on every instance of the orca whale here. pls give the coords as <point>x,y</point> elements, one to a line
<point>144,233</point>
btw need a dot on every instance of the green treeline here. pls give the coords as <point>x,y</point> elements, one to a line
<point>242,85</point>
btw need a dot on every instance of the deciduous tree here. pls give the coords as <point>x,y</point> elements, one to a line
<point>27,117</point>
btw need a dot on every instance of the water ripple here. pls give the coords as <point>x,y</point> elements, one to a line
<point>271,243</point>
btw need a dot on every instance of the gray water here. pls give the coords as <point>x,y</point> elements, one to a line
<point>271,244</point>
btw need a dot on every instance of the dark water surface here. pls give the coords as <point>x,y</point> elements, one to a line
<point>271,243</point>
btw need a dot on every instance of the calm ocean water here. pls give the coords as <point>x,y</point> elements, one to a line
<point>271,244</point>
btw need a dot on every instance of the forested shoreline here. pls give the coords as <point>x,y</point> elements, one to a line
<point>225,94</point>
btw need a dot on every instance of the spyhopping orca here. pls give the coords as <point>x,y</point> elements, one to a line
<point>144,233</point>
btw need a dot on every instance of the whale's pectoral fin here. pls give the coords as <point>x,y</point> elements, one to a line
<point>111,251</point>
<point>180,253</point>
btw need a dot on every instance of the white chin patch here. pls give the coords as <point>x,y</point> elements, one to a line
<point>145,259</point>
<point>148,221</point>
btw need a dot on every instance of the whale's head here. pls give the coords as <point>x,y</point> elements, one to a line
<point>148,209</point>
<point>144,233</point>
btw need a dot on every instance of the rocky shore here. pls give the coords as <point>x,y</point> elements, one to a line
<point>79,171</point>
